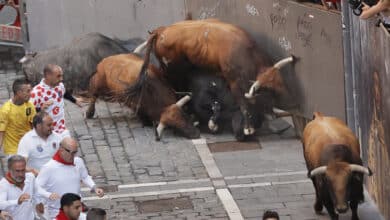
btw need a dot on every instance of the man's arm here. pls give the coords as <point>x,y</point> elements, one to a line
<point>1,139</point>
<point>87,179</point>
<point>368,11</point>
<point>41,181</point>
<point>74,100</point>
<point>4,202</point>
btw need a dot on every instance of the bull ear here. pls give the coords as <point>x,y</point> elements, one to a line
<point>183,101</point>
<point>361,169</point>
<point>318,171</point>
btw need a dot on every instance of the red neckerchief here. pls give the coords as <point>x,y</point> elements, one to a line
<point>11,180</point>
<point>59,159</point>
<point>61,215</point>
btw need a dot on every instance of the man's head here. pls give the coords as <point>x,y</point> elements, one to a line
<point>53,74</point>
<point>43,124</point>
<point>22,90</point>
<point>96,214</point>
<point>71,205</point>
<point>17,168</point>
<point>68,149</point>
<point>270,215</point>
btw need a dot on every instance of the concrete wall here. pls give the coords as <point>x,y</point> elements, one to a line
<point>371,66</point>
<point>56,22</point>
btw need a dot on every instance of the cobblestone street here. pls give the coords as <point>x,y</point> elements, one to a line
<point>178,178</point>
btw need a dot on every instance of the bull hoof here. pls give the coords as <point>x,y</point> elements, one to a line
<point>89,114</point>
<point>318,208</point>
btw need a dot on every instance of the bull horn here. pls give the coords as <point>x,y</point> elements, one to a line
<point>140,48</point>
<point>160,129</point>
<point>255,86</point>
<point>317,171</point>
<point>361,169</point>
<point>283,62</point>
<point>23,59</point>
<point>183,101</point>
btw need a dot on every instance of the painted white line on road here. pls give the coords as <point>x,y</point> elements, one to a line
<point>266,175</point>
<point>249,185</point>
<point>292,182</point>
<point>152,193</point>
<point>137,185</point>
<point>213,171</point>
<point>207,158</point>
<point>229,204</point>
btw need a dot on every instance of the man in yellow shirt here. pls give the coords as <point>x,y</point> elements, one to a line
<point>16,117</point>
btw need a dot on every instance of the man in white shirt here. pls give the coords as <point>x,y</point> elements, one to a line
<point>63,174</point>
<point>49,96</point>
<point>18,189</point>
<point>40,144</point>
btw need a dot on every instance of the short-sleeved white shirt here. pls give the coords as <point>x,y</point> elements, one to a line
<point>37,150</point>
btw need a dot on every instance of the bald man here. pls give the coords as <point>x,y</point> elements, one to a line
<point>63,174</point>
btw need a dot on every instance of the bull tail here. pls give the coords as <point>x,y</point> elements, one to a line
<point>136,88</point>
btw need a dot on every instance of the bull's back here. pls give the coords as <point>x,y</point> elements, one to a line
<point>322,132</point>
<point>207,43</point>
<point>116,72</point>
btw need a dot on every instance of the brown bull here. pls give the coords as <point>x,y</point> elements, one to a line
<point>158,103</point>
<point>223,47</point>
<point>332,154</point>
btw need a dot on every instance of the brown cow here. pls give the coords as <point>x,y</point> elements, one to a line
<point>332,154</point>
<point>158,103</point>
<point>220,46</point>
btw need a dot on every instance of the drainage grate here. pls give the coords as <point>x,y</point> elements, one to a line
<point>233,146</point>
<point>161,205</point>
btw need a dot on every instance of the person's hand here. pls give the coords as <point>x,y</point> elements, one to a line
<point>23,197</point>
<point>99,192</point>
<point>12,3</point>
<point>40,208</point>
<point>365,7</point>
<point>54,196</point>
<point>5,216</point>
<point>32,170</point>
<point>46,105</point>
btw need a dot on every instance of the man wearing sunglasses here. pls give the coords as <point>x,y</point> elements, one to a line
<point>63,174</point>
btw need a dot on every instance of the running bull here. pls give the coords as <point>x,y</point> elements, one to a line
<point>332,155</point>
<point>78,60</point>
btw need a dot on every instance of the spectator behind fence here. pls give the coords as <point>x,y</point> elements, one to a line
<point>270,215</point>
<point>40,144</point>
<point>49,96</point>
<point>16,117</point>
<point>18,190</point>
<point>381,6</point>
<point>96,214</point>
<point>70,207</point>
<point>63,174</point>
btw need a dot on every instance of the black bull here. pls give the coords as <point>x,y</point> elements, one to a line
<point>77,59</point>
<point>213,103</point>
